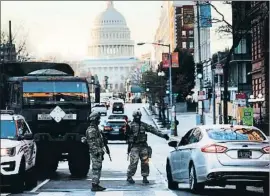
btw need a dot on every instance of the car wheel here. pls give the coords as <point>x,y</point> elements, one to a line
<point>171,184</point>
<point>31,179</point>
<point>241,187</point>
<point>266,188</point>
<point>194,186</point>
<point>17,185</point>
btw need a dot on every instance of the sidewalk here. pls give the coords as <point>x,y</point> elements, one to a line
<point>186,122</point>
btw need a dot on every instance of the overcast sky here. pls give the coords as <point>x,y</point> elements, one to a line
<point>62,28</point>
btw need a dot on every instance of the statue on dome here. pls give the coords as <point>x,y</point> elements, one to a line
<point>109,4</point>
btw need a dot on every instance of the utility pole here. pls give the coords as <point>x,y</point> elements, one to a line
<point>219,89</point>
<point>214,96</point>
<point>200,58</point>
<point>10,42</point>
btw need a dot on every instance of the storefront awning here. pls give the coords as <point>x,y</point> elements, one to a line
<point>136,89</point>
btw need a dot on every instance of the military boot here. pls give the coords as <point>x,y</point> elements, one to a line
<point>145,181</point>
<point>130,180</point>
<point>96,187</point>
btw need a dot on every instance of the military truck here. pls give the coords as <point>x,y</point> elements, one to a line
<point>56,105</point>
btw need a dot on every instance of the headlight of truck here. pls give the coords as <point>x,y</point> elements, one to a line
<point>8,152</point>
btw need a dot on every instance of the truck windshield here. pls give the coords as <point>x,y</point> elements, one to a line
<point>54,91</point>
<point>8,129</point>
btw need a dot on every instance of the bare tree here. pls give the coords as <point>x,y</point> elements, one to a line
<point>21,49</point>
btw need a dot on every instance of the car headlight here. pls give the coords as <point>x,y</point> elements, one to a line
<point>8,152</point>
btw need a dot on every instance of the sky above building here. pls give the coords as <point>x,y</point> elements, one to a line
<point>62,28</point>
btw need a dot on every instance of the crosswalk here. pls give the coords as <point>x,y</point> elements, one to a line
<point>105,193</point>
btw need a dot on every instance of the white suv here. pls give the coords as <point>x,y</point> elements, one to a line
<point>18,152</point>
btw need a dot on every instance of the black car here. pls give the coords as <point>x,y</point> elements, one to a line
<point>118,107</point>
<point>115,129</point>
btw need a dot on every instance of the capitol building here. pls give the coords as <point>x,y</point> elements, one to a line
<point>111,52</point>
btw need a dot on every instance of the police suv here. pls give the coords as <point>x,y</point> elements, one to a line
<point>18,152</point>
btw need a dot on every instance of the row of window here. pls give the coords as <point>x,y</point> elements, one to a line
<point>188,33</point>
<point>257,44</point>
<point>257,88</point>
<point>112,21</point>
<point>111,35</point>
<point>186,45</point>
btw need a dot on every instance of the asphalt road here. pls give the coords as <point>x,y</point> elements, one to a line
<point>114,174</point>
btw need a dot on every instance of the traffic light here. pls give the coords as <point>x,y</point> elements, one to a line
<point>199,68</point>
<point>97,94</point>
<point>93,80</point>
<point>168,87</point>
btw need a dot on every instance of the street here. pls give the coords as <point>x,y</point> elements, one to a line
<point>114,173</point>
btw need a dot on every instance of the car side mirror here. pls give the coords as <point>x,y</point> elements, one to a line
<point>177,122</point>
<point>173,144</point>
<point>28,136</point>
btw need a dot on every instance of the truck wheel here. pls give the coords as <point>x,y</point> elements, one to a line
<point>79,161</point>
<point>31,178</point>
<point>17,185</point>
<point>47,161</point>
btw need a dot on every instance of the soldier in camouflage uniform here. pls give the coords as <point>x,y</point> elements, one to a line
<point>139,149</point>
<point>96,145</point>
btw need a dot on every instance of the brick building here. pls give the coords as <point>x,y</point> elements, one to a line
<point>260,52</point>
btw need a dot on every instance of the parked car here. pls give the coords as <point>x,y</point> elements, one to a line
<point>220,155</point>
<point>115,129</point>
<point>18,152</point>
<point>100,108</point>
<point>119,116</point>
<point>118,107</point>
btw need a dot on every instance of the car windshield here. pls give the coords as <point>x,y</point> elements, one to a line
<point>54,91</point>
<point>100,106</point>
<point>8,129</point>
<point>233,134</point>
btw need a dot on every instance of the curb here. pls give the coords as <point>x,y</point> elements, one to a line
<point>147,112</point>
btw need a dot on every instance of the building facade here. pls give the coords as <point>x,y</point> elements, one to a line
<point>111,52</point>
<point>260,53</point>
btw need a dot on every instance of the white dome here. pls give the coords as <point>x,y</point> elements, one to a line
<point>110,17</point>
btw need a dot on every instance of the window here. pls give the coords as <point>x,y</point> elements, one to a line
<point>184,44</point>
<point>15,97</point>
<point>184,140</point>
<point>242,47</point>
<point>22,127</point>
<point>191,33</point>
<point>184,33</point>
<point>195,137</point>
<point>191,45</point>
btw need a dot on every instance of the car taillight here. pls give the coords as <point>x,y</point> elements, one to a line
<point>107,128</point>
<point>213,148</point>
<point>266,149</point>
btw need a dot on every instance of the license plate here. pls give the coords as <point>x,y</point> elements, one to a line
<point>44,117</point>
<point>244,154</point>
<point>70,117</point>
<point>117,106</point>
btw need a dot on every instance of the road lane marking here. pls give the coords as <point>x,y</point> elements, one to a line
<point>110,193</point>
<point>39,185</point>
<point>163,193</point>
<point>5,194</point>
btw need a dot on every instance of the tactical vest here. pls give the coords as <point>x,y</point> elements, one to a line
<point>138,134</point>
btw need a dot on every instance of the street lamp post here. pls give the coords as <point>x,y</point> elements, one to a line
<point>170,65</point>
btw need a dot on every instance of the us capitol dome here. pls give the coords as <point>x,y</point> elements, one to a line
<point>111,52</point>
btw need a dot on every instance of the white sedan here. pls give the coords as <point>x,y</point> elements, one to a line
<point>220,155</point>
<point>101,108</point>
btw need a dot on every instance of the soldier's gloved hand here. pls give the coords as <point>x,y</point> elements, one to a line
<point>166,136</point>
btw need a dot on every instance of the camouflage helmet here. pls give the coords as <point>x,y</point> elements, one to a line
<point>94,116</point>
<point>137,113</point>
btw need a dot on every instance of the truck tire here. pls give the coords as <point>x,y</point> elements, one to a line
<point>79,161</point>
<point>17,185</point>
<point>47,160</point>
